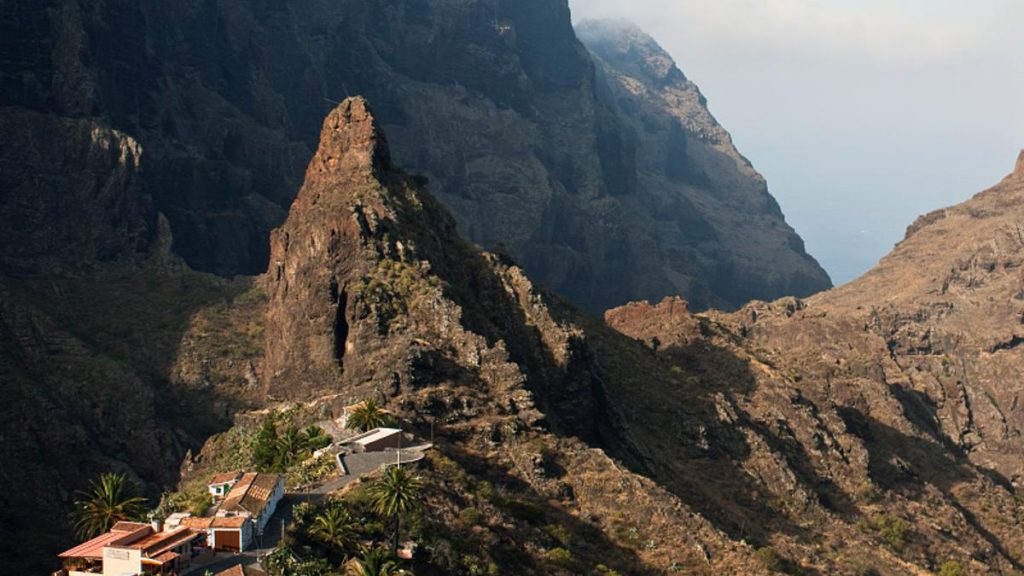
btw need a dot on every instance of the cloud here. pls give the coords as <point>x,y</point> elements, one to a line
<point>912,32</point>
<point>862,114</point>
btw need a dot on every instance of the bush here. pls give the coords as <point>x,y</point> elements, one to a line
<point>560,557</point>
<point>559,534</point>
<point>200,505</point>
<point>892,530</point>
<point>769,559</point>
<point>470,516</point>
<point>952,568</point>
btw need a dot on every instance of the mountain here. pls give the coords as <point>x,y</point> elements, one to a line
<point>526,136</point>
<point>793,436</point>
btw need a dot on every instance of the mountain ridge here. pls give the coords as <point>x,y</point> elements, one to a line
<point>494,101</point>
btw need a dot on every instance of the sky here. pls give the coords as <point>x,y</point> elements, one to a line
<point>861,114</point>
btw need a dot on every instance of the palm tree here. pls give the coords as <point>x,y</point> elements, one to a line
<point>334,527</point>
<point>397,492</point>
<point>367,416</point>
<point>290,446</point>
<point>376,562</point>
<point>109,500</point>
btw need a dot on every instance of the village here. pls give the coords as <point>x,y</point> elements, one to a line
<point>248,510</point>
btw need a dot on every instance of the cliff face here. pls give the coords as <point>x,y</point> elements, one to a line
<point>494,101</point>
<point>719,236</point>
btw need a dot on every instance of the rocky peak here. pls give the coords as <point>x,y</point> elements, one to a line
<point>1018,171</point>
<point>351,142</point>
<point>324,247</point>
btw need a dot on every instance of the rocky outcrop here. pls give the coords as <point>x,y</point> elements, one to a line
<point>669,322</point>
<point>494,101</point>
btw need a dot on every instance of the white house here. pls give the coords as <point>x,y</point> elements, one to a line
<point>245,512</point>
<point>221,484</point>
<point>132,548</point>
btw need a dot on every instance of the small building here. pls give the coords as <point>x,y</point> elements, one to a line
<point>221,484</point>
<point>132,549</point>
<point>376,440</point>
<point>244,513</point>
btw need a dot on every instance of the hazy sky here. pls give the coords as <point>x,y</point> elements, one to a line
<point>862,115</point>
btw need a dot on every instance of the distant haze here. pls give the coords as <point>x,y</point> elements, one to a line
<point>862,115</point>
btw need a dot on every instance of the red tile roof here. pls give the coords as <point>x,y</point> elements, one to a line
<point>251,494</point>
<point>156,544</point>
<point>230,522</point>
<point>162,559</point>
<point>93,548</point>
<point>233,571</point>
<point>197,523</point>
<point>141,538</point>
<point>128,526</point>
<point>122,534</point>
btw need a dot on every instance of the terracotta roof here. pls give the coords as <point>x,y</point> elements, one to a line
<point>162,559</point>
<point>230,522</point>
<point>128,526</point>
<point>93,548</point>
<point>225,478</point>
<point>156,544</point>
<point>233,571</point>
<point>197,523</point>
<point>123,533</point>
<point>251,494</point>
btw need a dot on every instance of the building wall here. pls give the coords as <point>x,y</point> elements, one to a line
<point>392,441</point>
<point>121,561</point>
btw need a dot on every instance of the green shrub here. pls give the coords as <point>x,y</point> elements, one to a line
<point>200,505</point>
<point>952,568</point>
<point>892,530</point>
<point>559,557</point>
<point>769,559</point>
<point>559,534</point>
<point>470,516</point>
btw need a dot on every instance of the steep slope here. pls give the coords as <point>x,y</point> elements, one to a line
<point>949,302</point>
<point>495,101</point>
<point>883,411</point>
<point>722,237</point>
<point>123,369</point>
